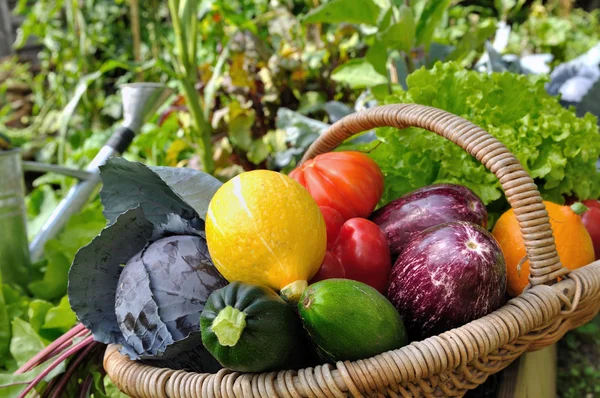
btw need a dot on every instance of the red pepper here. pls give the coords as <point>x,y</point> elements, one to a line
<point>357,250</point>
<point>591,220</point>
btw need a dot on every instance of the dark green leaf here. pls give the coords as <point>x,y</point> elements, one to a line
<point>430,18</point>
<point>377,56</point>
<point>128,185</point>
<point>99,265</point>
<point>358,73</point>
<point>402,34</point>
<point>345,11</point>
<point>196,188</point>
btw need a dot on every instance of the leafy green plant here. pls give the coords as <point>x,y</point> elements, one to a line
<point>401,38</point>
<point>547,31</point>
<point>558,149</point>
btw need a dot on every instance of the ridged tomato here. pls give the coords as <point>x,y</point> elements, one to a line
<point>350,182</point>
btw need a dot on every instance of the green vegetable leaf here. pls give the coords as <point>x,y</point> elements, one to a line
<point>60,317</point>
<point>358,73</point>
<point>25,342</point>
<point>345,11</point>
<point>430,18</point>
<point>377,56</point>
<point>37,313</point>
<point>401,34</point>
<point>54,282</point>
<point>195,187</point>
<point>128,185</point>
<point>99,264</point>
<point>16,300</point>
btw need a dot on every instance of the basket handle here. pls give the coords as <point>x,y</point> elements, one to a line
<point>519,188</point>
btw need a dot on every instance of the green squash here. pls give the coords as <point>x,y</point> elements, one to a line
<point>349,320</point>
<point>249,328</point>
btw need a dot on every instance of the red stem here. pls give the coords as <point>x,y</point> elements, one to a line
<point>65,345</point>
<point>57,362</point>
<point>50,387</point>
<point>85,386</point>
<point>44,353</point>
<point>71,369</point>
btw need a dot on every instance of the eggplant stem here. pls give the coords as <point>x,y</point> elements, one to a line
<point>229,325</point>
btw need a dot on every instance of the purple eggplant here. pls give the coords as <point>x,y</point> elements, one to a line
<point>426,207</point>
<point>446,276</point>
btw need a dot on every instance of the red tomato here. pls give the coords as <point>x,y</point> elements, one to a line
<point>331,268</point>
<point>350,182</point>
<point>591,203</point>
<point>361,253</point>
<point>591,220</point>
<point>333,223</point>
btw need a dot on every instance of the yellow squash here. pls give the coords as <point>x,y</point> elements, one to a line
<point>264,228</point>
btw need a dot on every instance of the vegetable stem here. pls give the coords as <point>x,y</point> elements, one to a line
<point>201,125</point>
<point>41,356</point>
<point>293,291</point>
<point>579,208</point>
<point>229,325</point>
<point>54,364</point>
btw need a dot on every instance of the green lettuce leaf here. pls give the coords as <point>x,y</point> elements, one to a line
<point>556,147</point>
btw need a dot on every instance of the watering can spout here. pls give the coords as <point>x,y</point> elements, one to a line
<point>141,101</point>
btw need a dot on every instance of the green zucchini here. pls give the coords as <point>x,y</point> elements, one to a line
<point>249,328</point>
<point>349,320</point>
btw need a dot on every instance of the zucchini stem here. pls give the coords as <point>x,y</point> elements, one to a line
<point>229,325</point>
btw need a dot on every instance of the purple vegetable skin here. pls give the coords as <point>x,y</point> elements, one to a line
<point>447,276</point>
<point>426,207</point>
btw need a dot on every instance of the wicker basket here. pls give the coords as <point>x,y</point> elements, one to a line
<point>445,365</point>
